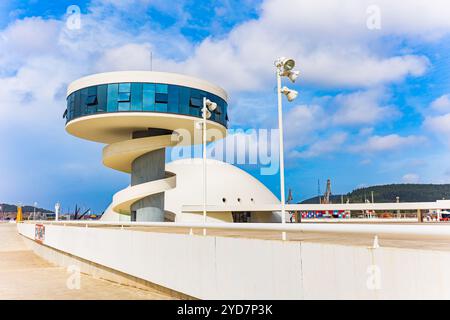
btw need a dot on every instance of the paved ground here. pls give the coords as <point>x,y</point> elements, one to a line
<point>330,238</point>
<point>322,237</point>
<point>24,275</point>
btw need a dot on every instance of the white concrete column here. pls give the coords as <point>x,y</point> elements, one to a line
<point>149,167</point>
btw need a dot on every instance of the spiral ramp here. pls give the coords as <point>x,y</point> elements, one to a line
<point>121,155</point>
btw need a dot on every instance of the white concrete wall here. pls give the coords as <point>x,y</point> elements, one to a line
<point>236,268</point>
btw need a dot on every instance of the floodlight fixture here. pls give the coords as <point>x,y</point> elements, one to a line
<point>285,64</point>
<point>208,113</point>
<point>290,94</point>
<point>293,75</point>
<point>211,105</point>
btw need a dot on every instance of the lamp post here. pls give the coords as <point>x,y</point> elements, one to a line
<point>284,68</point>
<point>34,210</point>
<point>57,208</point>
<point>397,199</point>
<point>208,107</point>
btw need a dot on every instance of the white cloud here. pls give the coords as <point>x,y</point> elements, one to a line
<point>365,131</point>
<point>248,110</point>
<point>411,178</point>
<point>387,143</point>
<point>35,96</point>
<point>348,20</point>
<point>437,119</point>
<point>362,108</point>
<point>127,57</point>
<point>359,69</point>
<point>440,126</point>
<point>30,36</point>
<point>302,123</point>
<point>401,18</point>
<point>27,38</point>
<point>321,147</point>
<point>441,104</point>
<point>353,57</point>
<point>242,60</point>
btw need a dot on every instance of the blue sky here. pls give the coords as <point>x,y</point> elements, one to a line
<point>374,104</point>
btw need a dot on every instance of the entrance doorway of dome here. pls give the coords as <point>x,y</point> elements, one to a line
<point>241,217</point>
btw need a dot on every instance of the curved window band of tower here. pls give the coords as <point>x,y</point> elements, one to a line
<point>137,115</point>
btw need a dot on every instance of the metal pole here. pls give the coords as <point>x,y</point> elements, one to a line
<point>281,151</point>
<point>373,201</point>
<point>151,60</point>
<point>57,208</point>
<point>398,211</point>
<point>204,163</point>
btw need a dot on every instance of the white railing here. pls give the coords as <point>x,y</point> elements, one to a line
<point>391,231</point>
<point>409,206</point>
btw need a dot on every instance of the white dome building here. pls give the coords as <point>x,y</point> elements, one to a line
<point>137,115</point>
<point>237,192</point>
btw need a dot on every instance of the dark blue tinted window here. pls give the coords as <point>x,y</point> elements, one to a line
<point>142,97</point>
<point>161,107</point>
<point>148,99</point>
<point>196,102</point>
<point>91,100</point>
<point>70,106</point>
<point>92,91</point>
<point>113,95</point>
<point>83,99</point>
<point>184,94</point>
<point>77,109</point>
<point>124,97</point>
<point>162,88</point>
<point>102,93</point>
<point>124,87</point>
<point>173,99</point>
<point>161,97</point>
<point>124,106</point>
<point>136,97</point>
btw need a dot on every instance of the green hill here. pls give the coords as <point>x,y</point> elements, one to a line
<point>13,208</point>
<point>388,193</point>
